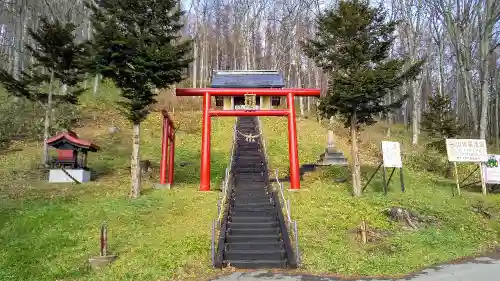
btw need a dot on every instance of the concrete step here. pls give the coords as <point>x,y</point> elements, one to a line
<point>253,213</point>
<point>254,246</point>
<point>257,194</point>
<point>256,186</point>
<point>237,208</point>
<point>253,238</point>
<point>250,204</point>
<point>246,198</point>
<point>253,201</point>
<point>255,264</point>
<point>252,219</point>
<point>253,231</point>
<point>260,225</point>
<point>257,254</point>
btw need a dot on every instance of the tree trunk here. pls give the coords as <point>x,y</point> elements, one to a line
<point>194,64</point>
<point>389,118</point>
<point>484,44</point>
<point>97,78</point>
<point>47,122</point>
<point>497,129</point>
<point>299,85</point>
<point>134,161</point>
<point>441,67</point>
<point>356,171</point>
<point>415,113</point>
<point>195,47</point>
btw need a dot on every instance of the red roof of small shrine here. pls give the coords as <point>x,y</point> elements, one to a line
<point>71,138</point>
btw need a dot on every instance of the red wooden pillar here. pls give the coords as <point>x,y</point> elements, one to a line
<point>164,151</point>
<point>171,156</point>
<point>292,144</point>
<point>205,145</point>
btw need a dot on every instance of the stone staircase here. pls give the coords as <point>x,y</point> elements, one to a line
<point>256,236</point>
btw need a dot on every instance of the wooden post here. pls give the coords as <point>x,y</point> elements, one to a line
<point>104,240</point>
<point>456,177</point>
<point>483,180</point>
<point>205,145</point>
<point>363,232</point>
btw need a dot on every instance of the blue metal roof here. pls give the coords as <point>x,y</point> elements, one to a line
<point>247,79</point>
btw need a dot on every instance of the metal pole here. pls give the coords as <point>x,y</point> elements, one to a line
<point>205,145</point>
<point>401,176</point>
<point>164,151</point>
<point>390,177</point>
<point>374,173</point>
<point>292,144</point>
<point>385,180</point>
<point>297,253</point>
<point>213,243</point>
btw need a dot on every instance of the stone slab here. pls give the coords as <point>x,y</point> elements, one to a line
<point>162,186</point>
<point>58,175</point>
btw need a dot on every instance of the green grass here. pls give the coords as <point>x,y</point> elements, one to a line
<point>326,212</point>
<point>48,231</point>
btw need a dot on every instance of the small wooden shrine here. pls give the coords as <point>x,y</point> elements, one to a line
<point>71,161</point>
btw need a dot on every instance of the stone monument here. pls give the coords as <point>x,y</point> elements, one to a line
<point>332,157</point>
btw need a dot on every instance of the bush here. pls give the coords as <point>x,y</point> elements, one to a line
<point>21,119</point>
<point>429,160</point>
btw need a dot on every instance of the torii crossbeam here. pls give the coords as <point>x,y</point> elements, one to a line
<point>290,94</point>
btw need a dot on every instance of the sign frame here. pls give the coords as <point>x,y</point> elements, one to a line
<point>383,165</point>
<point>473,151</point>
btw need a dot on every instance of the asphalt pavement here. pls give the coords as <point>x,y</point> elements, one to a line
<point>478,269</point>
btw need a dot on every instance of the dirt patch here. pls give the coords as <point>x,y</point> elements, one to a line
<point>484,210</point>
<point>410,220</point>
<point>366,233</point>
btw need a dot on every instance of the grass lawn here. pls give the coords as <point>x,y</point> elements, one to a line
<point>326,212</point>
<point>48,231</point>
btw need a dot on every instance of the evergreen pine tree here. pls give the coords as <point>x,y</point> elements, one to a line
<point>56,74</point>
<point>136,45</point>
<point>352,43</point>
<point>440,122</point>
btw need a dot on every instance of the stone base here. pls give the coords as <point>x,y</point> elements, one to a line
<point>100,262</point>
<point>332,162</point>
<point>58,175</point>
<point>332,157</point>
<point>162,186</point>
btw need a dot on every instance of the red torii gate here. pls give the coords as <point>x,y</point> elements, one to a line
<point>207,93</point>
<point>167,151</point>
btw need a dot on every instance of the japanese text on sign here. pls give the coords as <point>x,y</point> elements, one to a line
<point>391,153</point>
<point>466,150</point>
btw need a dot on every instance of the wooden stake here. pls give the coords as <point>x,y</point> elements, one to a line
<point>363,232</point>
<point>456,177</point>
<point>104,240</point>
<point>483,180</point>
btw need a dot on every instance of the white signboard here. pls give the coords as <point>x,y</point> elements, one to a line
<point>244,107</point>
<point>466,150</point>
<point>391,153</point>
<point>492,169</point>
